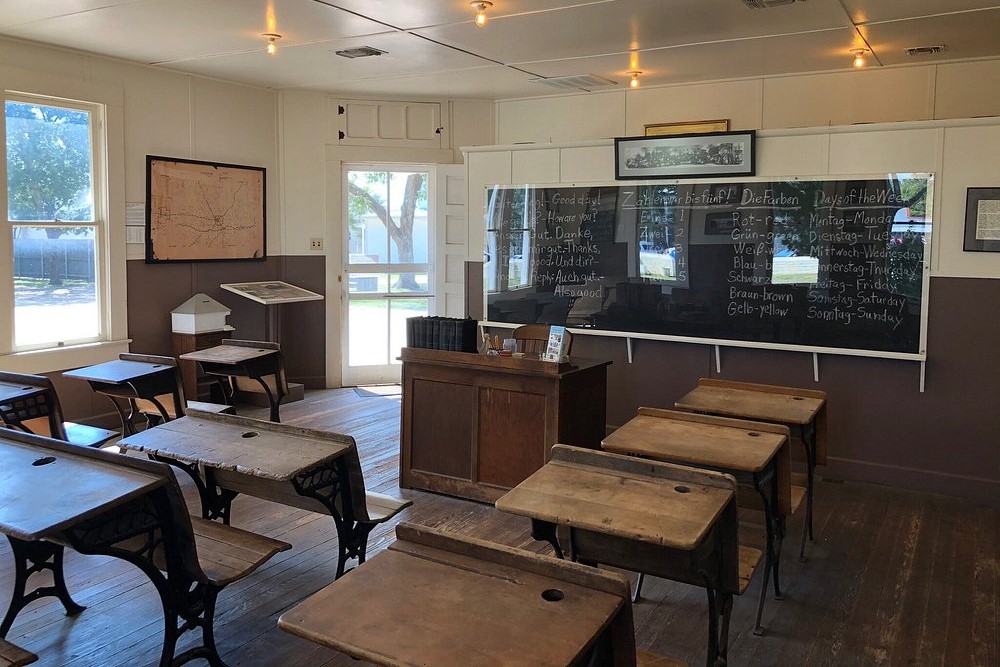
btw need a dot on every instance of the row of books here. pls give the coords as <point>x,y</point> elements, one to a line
<point>443,333</point>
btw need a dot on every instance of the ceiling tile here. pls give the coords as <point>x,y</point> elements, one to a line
<point>969,35</point>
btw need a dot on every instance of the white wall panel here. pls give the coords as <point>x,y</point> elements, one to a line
<point>969,161</point>
<point>561,119</point>
<point>844,98</point>
<point>587,164</point>
<point>792,156</point>
<point>879,152</point>
<point>537,166</point>
<point>968,90</point>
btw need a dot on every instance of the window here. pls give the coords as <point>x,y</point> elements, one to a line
<point>55,207</point>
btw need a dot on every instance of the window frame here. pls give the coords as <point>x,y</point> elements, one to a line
<point>105,106</point>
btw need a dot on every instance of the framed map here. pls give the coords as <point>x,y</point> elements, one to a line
<point>204,211</point>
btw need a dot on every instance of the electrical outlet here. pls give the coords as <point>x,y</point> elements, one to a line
<point>315,244</point>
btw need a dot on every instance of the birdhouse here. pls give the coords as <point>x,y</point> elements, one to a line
<point>198,314</point>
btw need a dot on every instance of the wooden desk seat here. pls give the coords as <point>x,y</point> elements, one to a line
<point>12,655</point>
<point>749,560</point>
<point>380,507</point>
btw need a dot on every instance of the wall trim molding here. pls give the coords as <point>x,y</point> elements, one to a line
<point>964,486</point>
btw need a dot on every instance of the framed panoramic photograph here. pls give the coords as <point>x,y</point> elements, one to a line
<point>204,211</point>
<point>698,155</point>
<point>982,220</point>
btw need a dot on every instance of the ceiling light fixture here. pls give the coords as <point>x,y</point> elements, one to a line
<point>272,42</point>
<point>859,57</point>
<point>634,82</point>
<point>480,6</point>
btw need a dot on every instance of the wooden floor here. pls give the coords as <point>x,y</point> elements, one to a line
<point>895,577</point>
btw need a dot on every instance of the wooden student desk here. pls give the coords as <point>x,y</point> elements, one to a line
<point>803,409</point>
<point>435,598</point>
<point>235,359</point>
<point>101,503</point>
<point>657,518</point>
<point>40,500</point>
<point>474,426</point>
<point>313,470</point>
<point>124,381</point>
<point>755,453</point>
<point>11,392</point>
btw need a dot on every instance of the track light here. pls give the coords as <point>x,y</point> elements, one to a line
<point>859,57</point>
<point>481,6</point>
<point>272,42</point>
<point>634,82</point>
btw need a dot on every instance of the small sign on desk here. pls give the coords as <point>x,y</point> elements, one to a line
<point>558,342</point>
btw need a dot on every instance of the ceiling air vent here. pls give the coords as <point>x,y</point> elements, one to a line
<point>767,4</point>
<point>584,82</point>
<point>924,50</point>
<point>360,52</point>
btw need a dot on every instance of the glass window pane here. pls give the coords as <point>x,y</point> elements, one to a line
<point>368,325</point>
<point>408,283</point>
<point>48,163</point>
<point>55,294</point>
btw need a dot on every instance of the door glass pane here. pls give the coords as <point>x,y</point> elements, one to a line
<point>367,207</point>
<point>408,206</point>
<point>55,295</point>
<point>366,283</point>
<point>368,324</point>
<point>408,283</point>
<point>48,163</point>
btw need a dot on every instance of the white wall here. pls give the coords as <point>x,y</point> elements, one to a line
<point>150,111</point>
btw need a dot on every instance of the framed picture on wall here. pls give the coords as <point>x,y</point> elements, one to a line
<point>689,127</point>
<point>204,211</point>
<point>685,155</point>
<point>982,220</point>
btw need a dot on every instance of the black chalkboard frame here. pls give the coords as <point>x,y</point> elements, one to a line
<point>917,354</point>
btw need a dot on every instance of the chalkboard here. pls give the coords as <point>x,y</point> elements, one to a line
<point>832,264</point>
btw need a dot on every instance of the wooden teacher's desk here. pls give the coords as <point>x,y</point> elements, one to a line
<point>804,409</point>
<point>475,426</point>
<point>313,470</point>
<point>434,598</point>
<point>755,453</point>
<point>124,381</point>
<point>657,518</point>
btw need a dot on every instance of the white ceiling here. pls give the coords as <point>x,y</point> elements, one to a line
<point>433,49</point>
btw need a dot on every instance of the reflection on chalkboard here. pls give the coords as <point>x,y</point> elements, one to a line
<point>832,263</point>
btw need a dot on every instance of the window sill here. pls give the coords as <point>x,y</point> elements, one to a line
<point>62,358</point>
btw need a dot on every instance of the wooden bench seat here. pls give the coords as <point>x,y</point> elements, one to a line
<point>382,507</point>
<point>12,655</point>
<point>226,553</point>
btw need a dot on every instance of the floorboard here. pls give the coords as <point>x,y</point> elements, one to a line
<point>895,578</point>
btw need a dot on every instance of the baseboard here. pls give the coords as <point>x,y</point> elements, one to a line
<point>964,486</point>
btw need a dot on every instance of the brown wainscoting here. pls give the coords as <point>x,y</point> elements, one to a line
<point>881,427</point>
<point>156,289</point>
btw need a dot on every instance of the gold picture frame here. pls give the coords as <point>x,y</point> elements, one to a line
<point>689,127</point>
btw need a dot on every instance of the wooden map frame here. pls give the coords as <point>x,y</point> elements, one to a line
<point>250,231</point>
